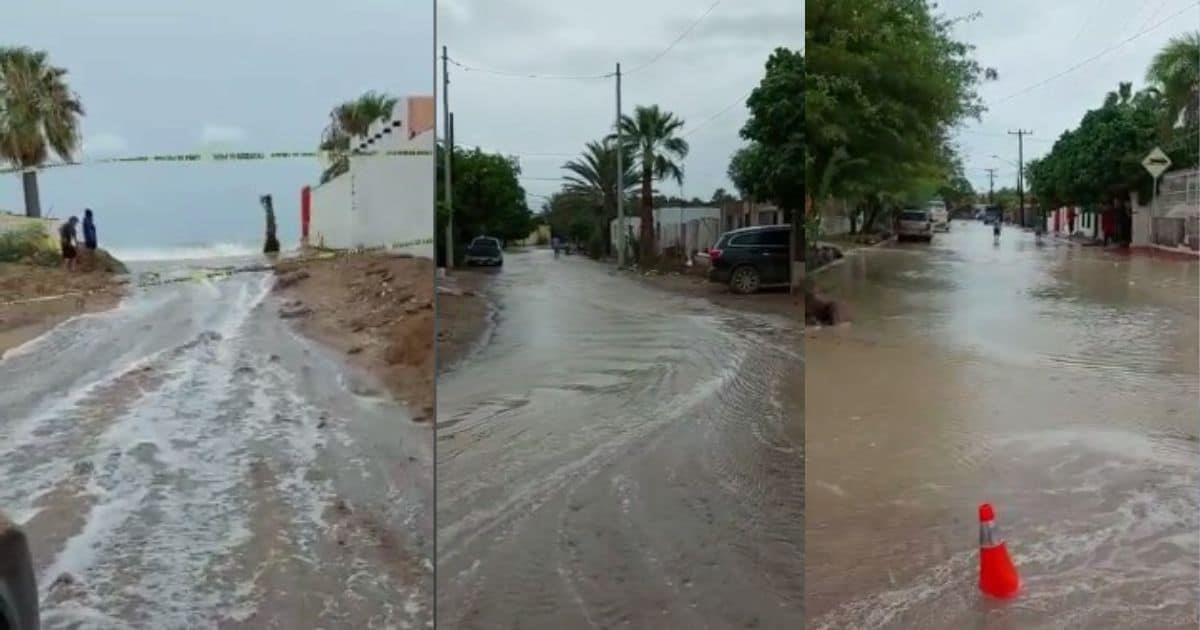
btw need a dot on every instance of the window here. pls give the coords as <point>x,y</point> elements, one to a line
<point>775,238</point>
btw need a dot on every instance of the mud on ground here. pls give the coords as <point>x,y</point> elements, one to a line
<point>694,283</point>
<point>34,299</point>
<point>376,309</point>
<point>463,315</point>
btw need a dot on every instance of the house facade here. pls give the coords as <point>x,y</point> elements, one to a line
<point>386,198</point>
<point>740,214</point>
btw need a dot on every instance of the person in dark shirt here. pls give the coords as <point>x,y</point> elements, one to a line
<point>89,230</point>
<point>67,239</point>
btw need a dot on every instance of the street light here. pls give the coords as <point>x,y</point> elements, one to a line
<point>1009,162</point>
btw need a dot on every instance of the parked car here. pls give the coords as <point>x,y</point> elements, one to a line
<point>752,258</point>
<point>914,224</point>
<point>18,586</point>
<point>484,250</point>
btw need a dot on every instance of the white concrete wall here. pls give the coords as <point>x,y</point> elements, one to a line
<point>384,200</point>
<point>330,223</point>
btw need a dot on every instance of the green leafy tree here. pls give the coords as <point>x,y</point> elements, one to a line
<point>772,168</point>
<point>38,115</point>
<point>350,119</point>
<point>721,197</point>
<point>886,82</point>
<point>488,199</point>
<point>658,151</point>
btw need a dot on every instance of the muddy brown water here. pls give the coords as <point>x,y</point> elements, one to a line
<point>188,461</point>
<point>619,457</point>
<point>1058,382</point>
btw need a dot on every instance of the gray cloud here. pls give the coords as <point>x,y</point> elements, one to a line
<point>716,65</point>
<point>1028,41</point>
<point>154,74</point>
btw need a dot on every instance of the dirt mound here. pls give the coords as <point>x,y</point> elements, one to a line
<point>377,309</point>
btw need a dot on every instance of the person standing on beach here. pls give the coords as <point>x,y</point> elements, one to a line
<point>89,230</point>
<point>68,240</point>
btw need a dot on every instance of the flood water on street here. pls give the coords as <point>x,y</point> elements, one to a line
<point>619,457</point>
<point>187,461</point>
<point>1058,382</point>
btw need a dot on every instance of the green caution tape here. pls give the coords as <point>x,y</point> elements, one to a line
<point>222,157</point>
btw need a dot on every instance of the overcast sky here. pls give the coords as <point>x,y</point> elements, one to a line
<point>158,76</point>
<point>711,70</point>
<point>1029,41</point>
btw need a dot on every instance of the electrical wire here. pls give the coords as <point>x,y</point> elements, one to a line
<point>672,45</point>
<point>537,75</point>
<point>1097,55</point>
<point>527,75</point>
<point>706,121</point>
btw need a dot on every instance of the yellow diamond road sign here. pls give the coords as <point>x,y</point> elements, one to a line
<point>1156,162</point>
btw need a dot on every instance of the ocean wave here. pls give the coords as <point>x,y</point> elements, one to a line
<point>188,252</point>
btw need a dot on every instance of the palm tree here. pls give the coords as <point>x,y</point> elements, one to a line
<point>38,114</point>
<point>1175,70</point>
<point>349,119</point>
<point>651,135</point>
<point>593,179</point>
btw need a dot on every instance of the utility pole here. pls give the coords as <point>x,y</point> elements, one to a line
<point>448,145</point>
<point>1020,134</point>
<point>991,184</point>
<point>620,180</point>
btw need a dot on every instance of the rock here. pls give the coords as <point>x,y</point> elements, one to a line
<point>818,310</point>
<point>63,579</point>
<point>293,313</point>
<point>288,279</point>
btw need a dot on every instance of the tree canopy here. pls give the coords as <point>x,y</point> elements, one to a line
<point>488,198</point>
<point>886,82</point>
<point>1100,160</point>
<point>771,168</point>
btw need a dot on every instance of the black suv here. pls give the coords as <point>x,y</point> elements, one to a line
<point>752,258</point>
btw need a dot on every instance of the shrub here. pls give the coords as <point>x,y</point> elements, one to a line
<point>28,244</point>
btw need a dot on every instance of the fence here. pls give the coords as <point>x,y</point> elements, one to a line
<point>1175,215</point>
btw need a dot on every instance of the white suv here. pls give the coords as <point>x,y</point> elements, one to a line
<point>914,224</point>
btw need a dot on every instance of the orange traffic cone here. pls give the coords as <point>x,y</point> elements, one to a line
<point>997,575</point>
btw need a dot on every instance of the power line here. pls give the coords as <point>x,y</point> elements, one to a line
<point>528,75</point>
<point>538,75</point>
<point>1097,55</point>
<point>706,121</point>
<point>682,35</point>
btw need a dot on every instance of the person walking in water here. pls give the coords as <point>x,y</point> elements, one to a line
<point>89,230</point>
<point>68,241</point>
<point>996,230</point>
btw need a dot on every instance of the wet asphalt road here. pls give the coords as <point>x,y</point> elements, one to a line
<point>616,457</point>
<point>1059,382</point>
<point>190,462</point>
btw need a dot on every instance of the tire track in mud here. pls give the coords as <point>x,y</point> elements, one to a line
<point>200,485</point>
<point>630,485</point>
